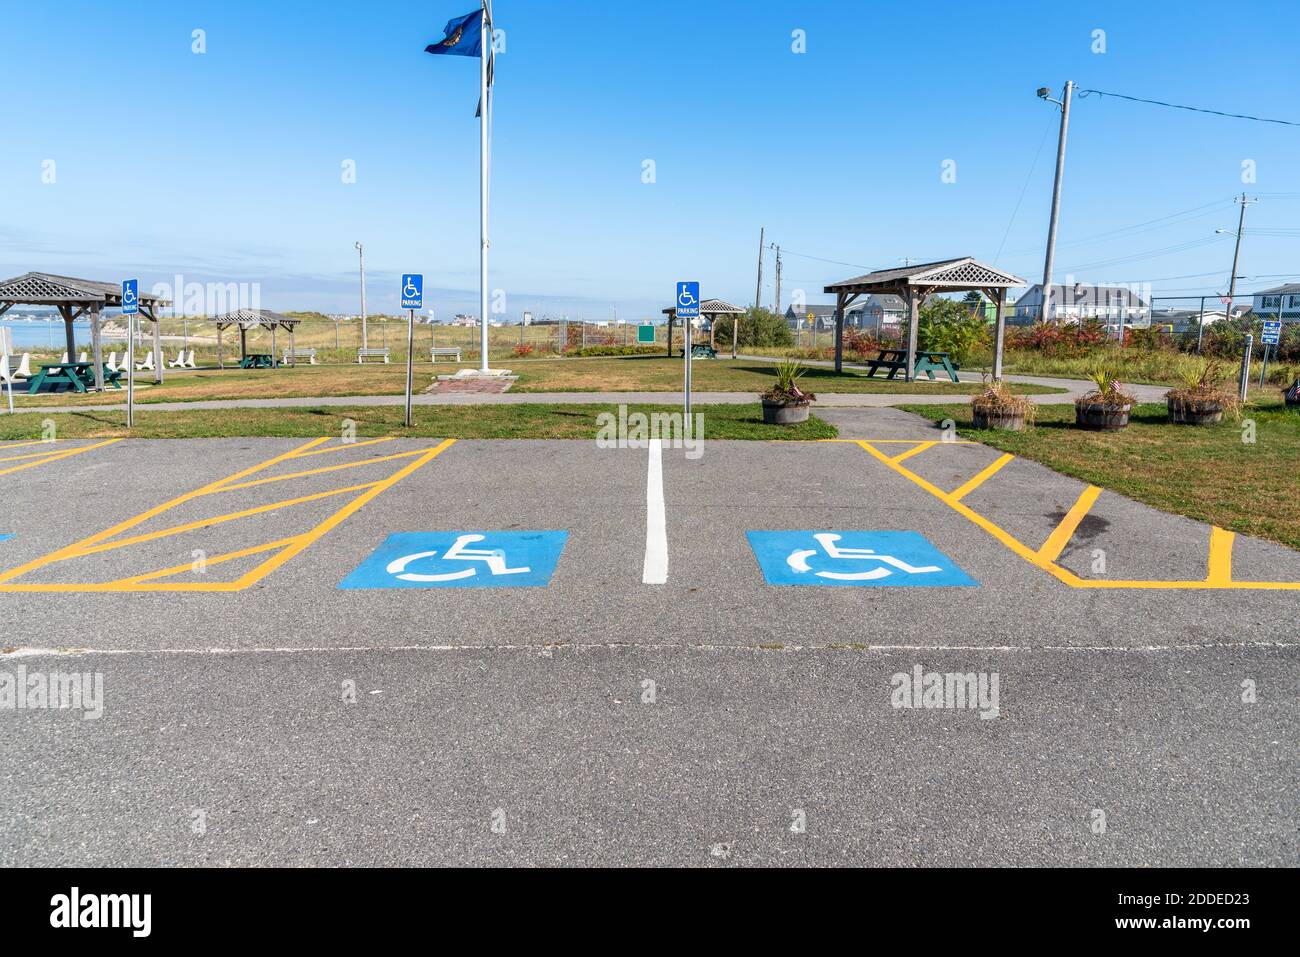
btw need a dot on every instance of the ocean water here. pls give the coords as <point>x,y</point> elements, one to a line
<point>29,336</point>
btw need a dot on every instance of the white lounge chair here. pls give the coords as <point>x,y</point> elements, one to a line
<point>7,380</point>
<point>63,359</point>
<point>24,367</point>
<point>112,361</point>
<point>190,363</point>
<point>178,362</point>
<point>147,365</point>
<point>82,358</point>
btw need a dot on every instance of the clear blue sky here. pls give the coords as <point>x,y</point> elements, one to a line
<point>226,166</point>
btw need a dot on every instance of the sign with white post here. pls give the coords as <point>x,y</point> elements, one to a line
<point>130,309</point>
<point>412,299</point>
<point>688,309</point>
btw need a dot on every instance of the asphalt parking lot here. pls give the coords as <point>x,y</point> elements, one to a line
<point>591,717</point>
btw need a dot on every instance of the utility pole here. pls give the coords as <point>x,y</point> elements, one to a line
<point>1064,104</point>
<point>777,308</point>
<point>361,252</point>
<point>758,286</point>
<point>1236,252</point>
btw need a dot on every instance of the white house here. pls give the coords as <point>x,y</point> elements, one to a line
<point>1106,304</point>
<point>1268,303</point>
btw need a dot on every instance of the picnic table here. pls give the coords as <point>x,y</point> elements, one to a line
<point>895,360</point>
<point>257,360</point>
<point>65,376</point>
<point>702,350</point>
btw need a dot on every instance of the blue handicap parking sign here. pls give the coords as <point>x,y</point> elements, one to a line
<point>412,291</point>
<point>461,560</point>
<point>688,300</point>
<point>130,297</point>
<point>853,558</point>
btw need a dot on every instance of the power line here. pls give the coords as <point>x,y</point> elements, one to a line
<point>1194,109</point>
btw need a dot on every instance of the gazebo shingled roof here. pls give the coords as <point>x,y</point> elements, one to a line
<point>75,298</point>
<point>913,284</point>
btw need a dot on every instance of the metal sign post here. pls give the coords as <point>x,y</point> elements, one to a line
<point>1244,384</point>
<point>412,299</point>
<point>130,308</point>
<point>688,309</point>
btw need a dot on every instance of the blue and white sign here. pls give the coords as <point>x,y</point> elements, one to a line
<point>688,300</point>
<point>1272,332</point>
<point>5,535</point>
<point>130,297</point>
<point>412,291</point>
<point>461,560</point>
<point>853,558</point>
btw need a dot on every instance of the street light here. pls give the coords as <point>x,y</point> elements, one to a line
<point>1045,94</point>
<point>361,252</point>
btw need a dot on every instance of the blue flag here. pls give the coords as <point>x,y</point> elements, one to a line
<point>463,37</point>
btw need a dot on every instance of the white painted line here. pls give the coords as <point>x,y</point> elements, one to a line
<point>655,570</point>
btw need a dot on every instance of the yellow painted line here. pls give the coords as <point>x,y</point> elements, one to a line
<point>292,545</point>
<point>981,478</point>
<point>214,560</point>
<point>22,445</point>
<point>1219,566</point>
<point>59,455</point>
<point>1062,534</point>
<point>329,468</point>
<point>306,540</point>
<point>216,520</point>
<point>69,550</point>
<point>342,446</point>
<point>916,451</point>
<point>895,441</point>
<point>1062,574</point>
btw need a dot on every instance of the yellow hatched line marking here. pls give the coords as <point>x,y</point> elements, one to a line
<point>1220,562</point>
<point>916,451</point>
<point>290,546</point>
<point>217,520</point>
<point>320,471</point>
<point>214,560</point>
<point>23,445</point>
<point>342,447</point>
<point>1062,534</point>
<point>56,456</point>
<point>981,478</point>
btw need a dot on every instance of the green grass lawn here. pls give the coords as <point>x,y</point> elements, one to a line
<point>1209,474</point>
<point>628,374</point>
<point>525,421</point>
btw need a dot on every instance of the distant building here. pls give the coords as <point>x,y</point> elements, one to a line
<point>1179,321</point>
<point>1267,303</point>
<point>464,320</point>
<point>869,313</point>
<point>1080,302</point>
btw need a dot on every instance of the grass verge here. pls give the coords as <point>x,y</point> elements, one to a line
<point>525,421</point>
<point>1205,473</point>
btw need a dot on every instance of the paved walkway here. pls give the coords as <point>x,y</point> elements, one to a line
<point>1144,393</point>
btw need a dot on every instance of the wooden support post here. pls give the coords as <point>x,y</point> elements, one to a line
<point>1000,334</point>
<point>96,347</point>
<point>913,311</point>
<point>293,361</point>
<point>735,333</point>
<point>273,328</point>
<point>243,343</point>
<point>221,361</point>
<point>839,332</point>
<point>69,335</point>
<point>157,350</point>
<point>671,317</point>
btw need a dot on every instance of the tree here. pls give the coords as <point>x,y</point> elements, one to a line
<point>758,327</point>
<point>947,326</point>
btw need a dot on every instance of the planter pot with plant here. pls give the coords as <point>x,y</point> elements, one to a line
<point>1199,400</point>
<point>1106,407</point>
<point>785,403</point>
<point>997,408</point>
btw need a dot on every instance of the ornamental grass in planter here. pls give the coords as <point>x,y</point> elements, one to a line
<point>1106,407</point>
<point>1200,399</point>
<point>998,408</point>
<point>785,403</point>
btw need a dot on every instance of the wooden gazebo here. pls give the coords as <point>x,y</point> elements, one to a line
<point>75,298</point>
<point>247,319</point>
<point>709,309</point>
<point>913,284</point>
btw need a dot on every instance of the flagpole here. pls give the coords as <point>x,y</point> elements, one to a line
<point>484,52</point>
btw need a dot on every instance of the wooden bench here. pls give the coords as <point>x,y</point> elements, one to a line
<point>895,360</point>
<point>291,356</point>
<point>365,354</point>
<point>452,352</point>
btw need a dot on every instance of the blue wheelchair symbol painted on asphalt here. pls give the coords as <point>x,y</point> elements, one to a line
<point>461,560</point>
<point>853,558</point>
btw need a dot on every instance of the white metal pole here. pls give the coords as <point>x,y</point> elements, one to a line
<point>130,371</point>
<point>484,51</point>
<point>686,351</point>
<point>410,360</point>
<point>361,252</point>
